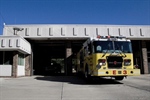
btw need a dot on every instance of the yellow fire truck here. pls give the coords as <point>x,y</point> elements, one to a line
<point>106,56</point>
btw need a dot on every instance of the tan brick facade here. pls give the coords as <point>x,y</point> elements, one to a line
<point>144,55</point>
<point>15,64</point>
<point>28,69</point>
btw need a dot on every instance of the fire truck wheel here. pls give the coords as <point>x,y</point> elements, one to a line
<point>119,78</point>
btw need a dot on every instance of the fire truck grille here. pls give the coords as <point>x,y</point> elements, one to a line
<point>114,62</point>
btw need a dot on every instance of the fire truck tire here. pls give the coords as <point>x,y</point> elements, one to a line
<point>119,78</point>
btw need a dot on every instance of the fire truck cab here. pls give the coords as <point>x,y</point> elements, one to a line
<point>106,56</point>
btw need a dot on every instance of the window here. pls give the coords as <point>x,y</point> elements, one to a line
<point>108,46</point>
<point>20,59</point>
<point>1,58</point>
<point>124,46</point>
<point>6,57</point>
<point>102,46</point>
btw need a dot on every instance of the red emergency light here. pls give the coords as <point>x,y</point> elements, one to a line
<point>98,36</point>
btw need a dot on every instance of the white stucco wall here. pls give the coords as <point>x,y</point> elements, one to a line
<point>20,70</point>
<point>63,31</point>
<point>5,70</point>
<point>10,43</point>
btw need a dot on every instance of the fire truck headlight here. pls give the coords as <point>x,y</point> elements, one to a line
<point>100,64</point>
<point>127,62</point>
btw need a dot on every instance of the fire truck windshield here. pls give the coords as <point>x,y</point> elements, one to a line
<point>107,47</point>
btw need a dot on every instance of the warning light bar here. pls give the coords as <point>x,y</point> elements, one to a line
<point>108,37</point>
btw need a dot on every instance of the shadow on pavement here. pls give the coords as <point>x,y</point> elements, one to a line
<point>78,80</point>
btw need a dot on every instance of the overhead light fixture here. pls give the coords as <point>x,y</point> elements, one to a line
<point>18,29</point>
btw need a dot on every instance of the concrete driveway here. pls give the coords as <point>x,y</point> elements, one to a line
<point>74,88</point>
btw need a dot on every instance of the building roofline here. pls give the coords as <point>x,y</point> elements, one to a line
<point>117,25</point>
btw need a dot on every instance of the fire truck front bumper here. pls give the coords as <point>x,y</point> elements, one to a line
<point>116,72</point>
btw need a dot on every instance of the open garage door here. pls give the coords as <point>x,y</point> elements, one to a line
<point>50,57</point>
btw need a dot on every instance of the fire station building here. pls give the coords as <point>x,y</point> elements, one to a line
<point>26,50</point>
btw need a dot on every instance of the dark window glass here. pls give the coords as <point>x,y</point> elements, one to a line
<point>1,57</point>
<point>124,46</point>
<point>21,59</point>
<point>8,57</point>
<point>102,46</point>
<point>107,46</point>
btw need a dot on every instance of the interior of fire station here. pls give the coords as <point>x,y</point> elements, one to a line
<point>141,55</point>
<point>55,57</point>
<point>137,54</point>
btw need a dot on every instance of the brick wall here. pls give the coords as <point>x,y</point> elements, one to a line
<point>144,55</point>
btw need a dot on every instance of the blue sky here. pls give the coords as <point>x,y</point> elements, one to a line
<point>114,12</point>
